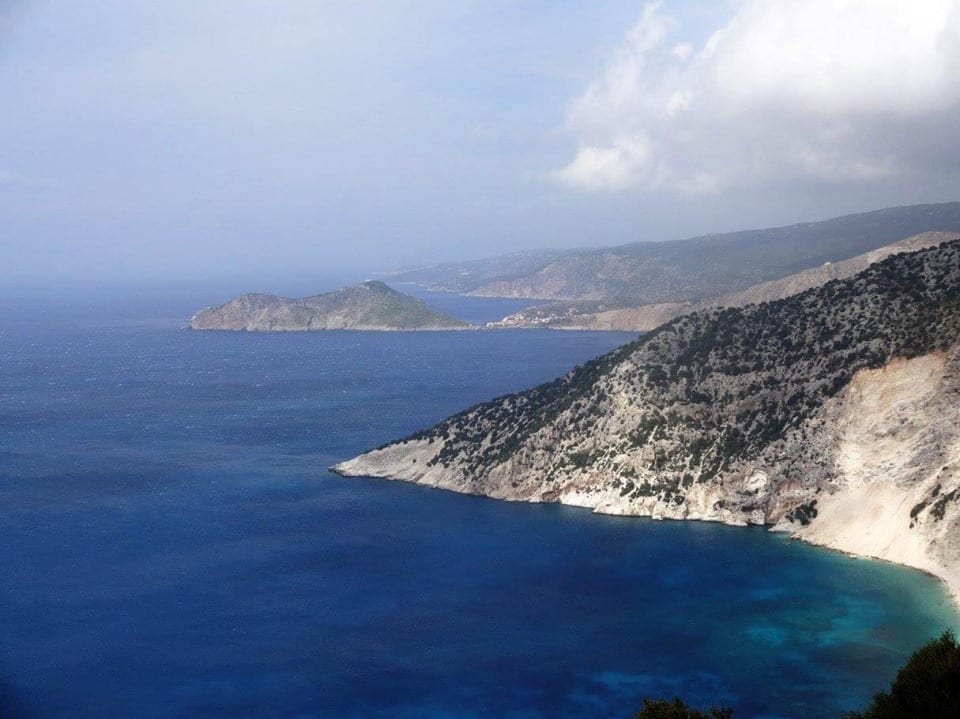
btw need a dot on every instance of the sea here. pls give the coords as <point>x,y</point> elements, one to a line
<point>172,544</point>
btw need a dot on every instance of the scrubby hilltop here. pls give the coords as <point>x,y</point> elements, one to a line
<point>834,414</point>
<point>367,306</point>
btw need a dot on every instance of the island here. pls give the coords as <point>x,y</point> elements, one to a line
<point>370,305</point>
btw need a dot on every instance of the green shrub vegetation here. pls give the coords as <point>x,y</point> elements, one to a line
<point>927,687</point>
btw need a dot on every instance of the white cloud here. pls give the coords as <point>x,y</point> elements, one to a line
<point>607,168</point>
<point>682,51</point>
<point>837,91</point>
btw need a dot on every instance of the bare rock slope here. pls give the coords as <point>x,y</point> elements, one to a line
<point>367,306</point>
<point>833,414</point>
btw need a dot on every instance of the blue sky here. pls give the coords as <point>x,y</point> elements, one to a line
<point>212,139</point>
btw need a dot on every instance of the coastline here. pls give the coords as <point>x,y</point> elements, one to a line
<point>875,471</point>
<point>949,581</point>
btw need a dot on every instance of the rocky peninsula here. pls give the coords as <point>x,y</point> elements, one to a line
<point>833,414</point>
<point>370,305</point>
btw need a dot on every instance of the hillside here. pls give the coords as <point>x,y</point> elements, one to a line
<point>833,414</point>
<point>367,306</point>
<point>686,270</point>
<point>600,316</point>
<point>467,276</point>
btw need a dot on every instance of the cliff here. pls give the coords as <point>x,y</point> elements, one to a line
<point>833,415</point>
<point>367,306</point>
<point>599,316</point>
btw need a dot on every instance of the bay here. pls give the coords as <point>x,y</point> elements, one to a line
<point>173,546</point>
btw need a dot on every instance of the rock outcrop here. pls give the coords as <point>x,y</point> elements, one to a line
<point>367,306</point>
<point>833,414</point>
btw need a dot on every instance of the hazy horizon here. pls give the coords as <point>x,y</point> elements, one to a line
<point>260,146</point>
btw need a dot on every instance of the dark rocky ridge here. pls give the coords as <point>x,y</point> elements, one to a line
<point>739,374</point>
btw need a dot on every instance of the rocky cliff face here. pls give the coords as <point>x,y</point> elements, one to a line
<point>600,316</point>
<point>367,306</point>
<point>832,414</point>
<point>891,443</point>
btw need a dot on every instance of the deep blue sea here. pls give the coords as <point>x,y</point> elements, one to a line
<point>172,545</point>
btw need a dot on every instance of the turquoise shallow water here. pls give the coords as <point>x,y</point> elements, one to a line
<point>173,546</point>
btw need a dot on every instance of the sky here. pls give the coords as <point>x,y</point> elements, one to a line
<point>259,141</point>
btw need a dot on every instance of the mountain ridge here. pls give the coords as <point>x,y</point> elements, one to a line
<point>685,270</point>
<point>598,316</point>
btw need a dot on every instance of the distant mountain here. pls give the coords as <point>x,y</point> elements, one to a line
<point>367,306</point>
<point>467,276</point>
<point>601,316</point>
<point>686,270</point>
<point>833,414</point>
